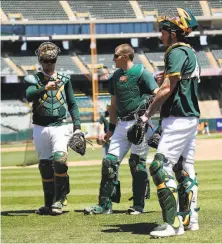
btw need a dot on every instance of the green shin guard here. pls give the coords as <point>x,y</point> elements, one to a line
<point>168,206</point>
<point>48,188</point>
<point>116,196</point>
<point>185,191</point>
<point>61,188</point>
<point>167,195</point>
<point>61,176</point>
<point>140,185</point>
<point>47,173</point>
<point>108,185</point>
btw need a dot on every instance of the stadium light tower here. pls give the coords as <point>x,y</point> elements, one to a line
<point>94,71</point>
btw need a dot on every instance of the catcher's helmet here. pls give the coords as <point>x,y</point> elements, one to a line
<point>47,50</point>
<point>184,22</point>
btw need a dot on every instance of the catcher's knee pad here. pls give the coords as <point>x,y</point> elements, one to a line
<point>167,193</point>
<point>110,166</point>
<point>187,190</point>
<point>60,166</point>
<point>46,170</point>
<point>141,189</point>
<point>137,163</point>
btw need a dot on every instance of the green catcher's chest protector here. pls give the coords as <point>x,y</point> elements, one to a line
<point>127,89</point>
<point>51,103</point>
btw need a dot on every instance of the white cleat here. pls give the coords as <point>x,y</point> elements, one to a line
<point>192,227</point>
<point>135,210</point>
<point>166,230</point>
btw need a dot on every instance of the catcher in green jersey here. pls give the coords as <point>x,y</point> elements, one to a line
<point>130,88</point>
<point>52,96</point>
<point>180,113</point>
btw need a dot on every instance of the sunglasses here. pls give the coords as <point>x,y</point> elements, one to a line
<point>115,56</point>
<point>50,61</point>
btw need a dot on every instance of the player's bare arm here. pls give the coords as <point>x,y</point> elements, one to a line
<point>154,92</point>
<point>160,78</point>
<point>112,116</point>
<point>162,95</point>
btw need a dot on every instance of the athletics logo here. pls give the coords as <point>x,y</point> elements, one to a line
<point>123,79</point>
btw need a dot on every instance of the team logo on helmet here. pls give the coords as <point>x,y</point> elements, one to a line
<point>184,21</point>
<point>47,50</point>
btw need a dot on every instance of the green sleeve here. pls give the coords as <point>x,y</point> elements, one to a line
<point>174,62</point>
<point>101,119</point>
<point>32,92</point>
<point>148,82</point>
<point>110,86</point>
<point>72,105</point>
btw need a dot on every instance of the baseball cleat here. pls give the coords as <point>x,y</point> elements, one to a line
<point>135,210</point>
<point>57,208</point>
<point>44,210</point>
<point>166,230</point>
<point>65,202</point>
<point>97,209</point>
<point>192,227</point>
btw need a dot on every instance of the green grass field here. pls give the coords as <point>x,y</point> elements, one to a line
<point>22,194</point>
<point>21,158</point>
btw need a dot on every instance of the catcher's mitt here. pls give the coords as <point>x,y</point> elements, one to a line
<point>155,138</point>
<point>137,131</point>
<point>77,143</point>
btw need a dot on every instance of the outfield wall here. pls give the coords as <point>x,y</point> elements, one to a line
<point>91,130</point>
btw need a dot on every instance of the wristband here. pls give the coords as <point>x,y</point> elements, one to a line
<point>112,127</point>
<point>76,127</point>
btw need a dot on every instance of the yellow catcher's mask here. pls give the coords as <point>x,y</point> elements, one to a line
<point>185,22</point>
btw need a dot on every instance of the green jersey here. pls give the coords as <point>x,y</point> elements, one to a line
<point>131,88</point>
<point>180,59</point>
<point>50,107</point>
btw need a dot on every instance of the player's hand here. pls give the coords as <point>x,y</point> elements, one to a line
<point>77,131</point>
<point>108,135</point>
<point>160,78</point>
<point>101,137</point>
<point>52,85</point>
<point>144,118</point>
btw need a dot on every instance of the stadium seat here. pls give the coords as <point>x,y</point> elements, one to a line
<point>35,10</point>
<point>218,55</point>
<point>5,69</point>
<point>170,6</point>
<point>104,9</point>
<point>64,63</point>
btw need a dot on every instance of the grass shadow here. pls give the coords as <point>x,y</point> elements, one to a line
<point>18,212</point>
<point>13,213</point>
<point>137,228</point>
<point>115,211</point>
